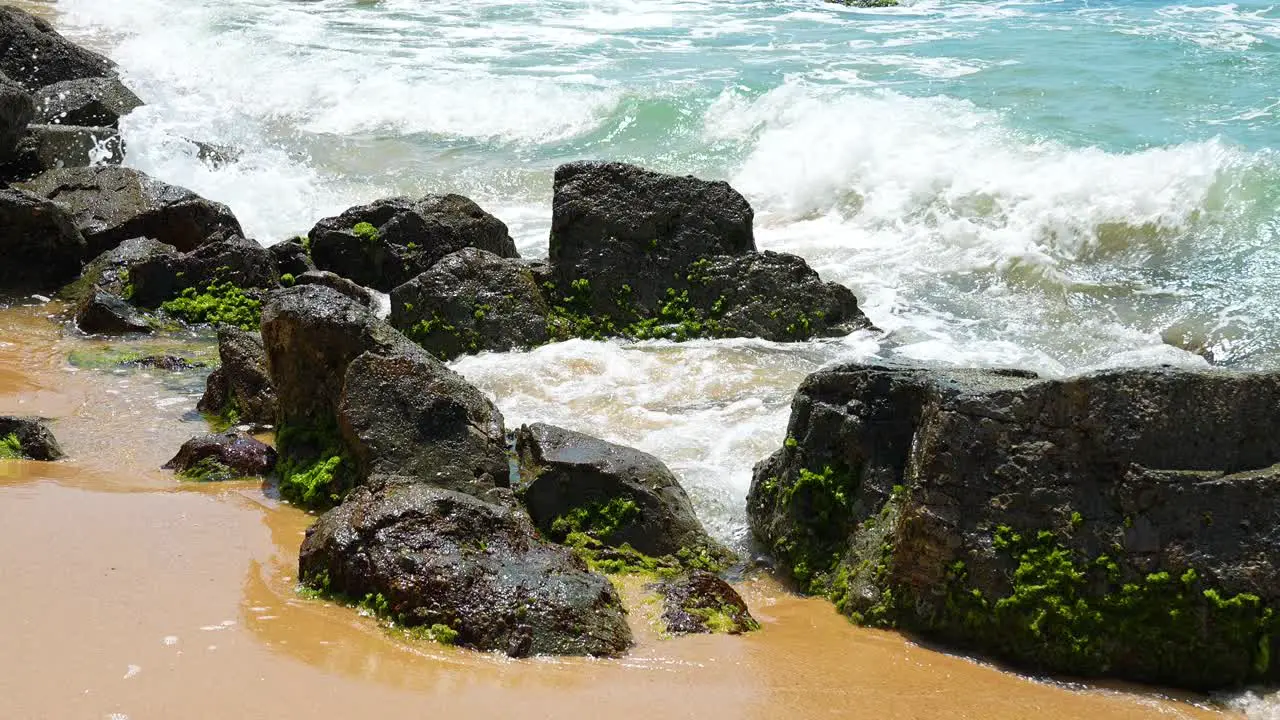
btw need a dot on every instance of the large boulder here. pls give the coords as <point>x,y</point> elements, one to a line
<point>615,225</point>
<point>41,247</point>
<point>35,55</point>
<point>575,483</point>
<point>102,313</point>
<point>110,270</point>
<point>466,571</point>
<point>90,102</point>
<point>220,457</point>
<point>1118,523</point>
<point>700,602</point>
<point>113,204</point>
<point>27,438</point>
<point>17,110</point>
<point>240,390</point>
<point>234,262</point>
<point>388,242</point>
<point>469,301</point>
<point>51,147</point>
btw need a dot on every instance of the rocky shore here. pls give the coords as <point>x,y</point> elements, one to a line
<point>1112,525</point>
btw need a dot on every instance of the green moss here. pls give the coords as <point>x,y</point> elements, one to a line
<point>600,520</point>
<point>791,443</point>
<point>313,469</point>
<point>208,469</point>
<point>377,605</point>
<point>443,338</point>
<point>312,485</point>
<point>1077,520</point>
<point>288,280</point>
<point>221,303</point>
<point>365,231</point>
<point>305,241</point>
<point>439,633</point>
<point>11,448</point>
<point>723,619</point>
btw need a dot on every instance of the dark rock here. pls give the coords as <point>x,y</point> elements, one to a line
<point>17,110</point>
<point>238,261</point>
<point>102,313</point>
<point>440,558</point>
<point>226,456</point>
<point>469,301</point>
<point>35,55</point>
<point>113,204</point>
<point>360,294</point>
<point>90,102</point>
<point>291,258</point>
<point>51,147</point>
<point>573,482</point>
<point>404,414</point>
<point>41,247</point>
<point>1114,524</point>
<point>403,238</point>
<point>172,363</point>
<point>774,296</point>
<point>614,225</point>
<point>701,602</point>
<point>214,155</point>
<point>240,389</point>
<point>110,270</point>
<point>27,438</point>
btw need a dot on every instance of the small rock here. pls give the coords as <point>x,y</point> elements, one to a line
<point>110,270</point>
<point>212,458</point>
<point>27,438</point>
<point>102,313</point>
<point>291,258</point>
<point>700,602</point>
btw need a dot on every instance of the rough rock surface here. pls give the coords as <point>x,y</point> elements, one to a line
<point>469,301</point>
<point>236,260</point>
<point>40,244</point>
<point>17,110</point>
<point>102,313</point>
<point>434,557</point>
<point>572,482</point>
<point>386,243</point>
<point>240,388</point>
<point>169,363</point>
<point>34,441</point>
<point>89,102</point>
<point>110,270</point>
<point>1115,524</point>
<point>112,204</point>
<point>360,294</point>
<point>35,55</point>
<point>291,257</point>
<point>225,456</point>
<point>51,147</point>
<point>700,602</point>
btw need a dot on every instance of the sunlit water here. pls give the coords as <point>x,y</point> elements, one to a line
<point>1051,185</point>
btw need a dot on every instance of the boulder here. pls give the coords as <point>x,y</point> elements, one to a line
<point>386,243</point>
<point>35,55</point>
<point>615,225</point>
<point>226,456</point>
<point>575,483</point>
<point>700,602</point>
<point>109,271</point>
<point>240,390</point>
<point>113,204</point>
<point>291,257</point>
<point>463,570</point>
<point>469,301</point>
<point>41,247</point>
<point>24,438</point>
<point>101,313</point>
<point>17,110</point>
<point>1117,523</point>
<point>51,147</point>
<point>236,261</point>
<point>360,294</point>
<point>405,416</point>
<point>90,102</point>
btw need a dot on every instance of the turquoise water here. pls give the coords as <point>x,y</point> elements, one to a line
<point>1053,185</point>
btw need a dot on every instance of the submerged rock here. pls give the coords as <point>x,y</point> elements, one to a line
<point>240,390</point>
<point>388,242</point>
<point>616,495</point>
<point>700,602</point>
<point>88,102</point>
<point>171,363</point>
<point>112,204</point>
<point>226,456</point>
<point>36,55</point>
<point>27,438</point>
<point>463,569</point>
<point>41,247</point>
<point>1113,524</point>
<point>17,110</point>
<point>469,301</point>
<point>101,313</point>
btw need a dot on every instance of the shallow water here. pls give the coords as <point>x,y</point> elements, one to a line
<point>130,595</point>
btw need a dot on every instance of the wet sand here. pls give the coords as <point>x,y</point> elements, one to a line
<point>127,594</point>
